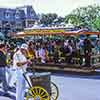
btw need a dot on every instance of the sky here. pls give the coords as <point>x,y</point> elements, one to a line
<point>61,7</point>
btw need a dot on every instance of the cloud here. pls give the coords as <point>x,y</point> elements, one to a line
<point>61,7</point>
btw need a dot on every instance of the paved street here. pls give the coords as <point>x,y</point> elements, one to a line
<point>72,87</point>
<point>75,87</point>
<point>4,98</point>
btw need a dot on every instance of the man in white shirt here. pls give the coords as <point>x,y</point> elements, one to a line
<point>42,54</point>
<point>20,63</point>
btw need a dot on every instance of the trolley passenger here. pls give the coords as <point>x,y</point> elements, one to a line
<point>31,51</point>
<point>87,52</point>
<point>42,54</point>
<point>56,53</point>
<point>68,52</point>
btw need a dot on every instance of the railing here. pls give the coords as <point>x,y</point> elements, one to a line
<point>95,60</point>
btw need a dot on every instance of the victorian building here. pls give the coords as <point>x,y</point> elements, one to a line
<point>17,19</point>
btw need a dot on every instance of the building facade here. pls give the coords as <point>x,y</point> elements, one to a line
<point>17,19</point>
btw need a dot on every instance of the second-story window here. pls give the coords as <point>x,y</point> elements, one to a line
<point>17,15</point>
<point>32,13</point>
<point>7,14</point>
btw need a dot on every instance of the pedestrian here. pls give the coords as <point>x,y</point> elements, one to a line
<point>3,67</point>
<point>20,62</point>
<point>12,72</point>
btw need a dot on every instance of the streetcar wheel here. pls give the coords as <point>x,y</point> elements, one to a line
<point>54,91</point>
<point>37,93</point>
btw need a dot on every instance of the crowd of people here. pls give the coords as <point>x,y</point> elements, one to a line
<point>69,51</point>
<point>57,51</point>
<point>14,60</point>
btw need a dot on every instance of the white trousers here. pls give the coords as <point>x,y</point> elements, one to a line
<point>20,85</point>
<point>11,76</point>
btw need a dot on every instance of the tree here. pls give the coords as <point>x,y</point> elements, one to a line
<point>73,19</point>
<point>96,24</point>
<point>47,19</point>
<point>85,16</point>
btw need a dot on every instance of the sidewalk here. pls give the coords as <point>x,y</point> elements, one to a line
<point>4,98</point>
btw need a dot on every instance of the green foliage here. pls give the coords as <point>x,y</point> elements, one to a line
<point>88,17</point>
<point>96,24</point>
<point>48,19</point>
<point>73,19</point>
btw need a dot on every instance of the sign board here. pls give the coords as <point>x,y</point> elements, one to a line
<point>44,31</point>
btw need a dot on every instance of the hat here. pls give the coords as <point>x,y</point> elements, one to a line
<point>24,46</point>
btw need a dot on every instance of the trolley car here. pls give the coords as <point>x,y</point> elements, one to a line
<point>76,67</point>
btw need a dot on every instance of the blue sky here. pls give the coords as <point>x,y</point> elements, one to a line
<point>61,7</point>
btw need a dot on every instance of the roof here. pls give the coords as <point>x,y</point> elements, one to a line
<point>8,14</point>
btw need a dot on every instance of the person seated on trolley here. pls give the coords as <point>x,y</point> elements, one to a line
<point>31,51</point>
<point>42,53</point>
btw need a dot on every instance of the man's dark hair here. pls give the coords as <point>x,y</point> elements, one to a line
<point>2,45</point>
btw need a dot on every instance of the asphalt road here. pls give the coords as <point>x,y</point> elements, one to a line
<point>72,87</point>
<point>78,87</point>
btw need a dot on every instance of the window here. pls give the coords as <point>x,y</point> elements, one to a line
<point>32,13</point>
<point>17,15</point>
<point>7,14</point>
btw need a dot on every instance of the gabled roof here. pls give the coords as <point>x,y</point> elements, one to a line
<point>31,14</point>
